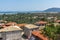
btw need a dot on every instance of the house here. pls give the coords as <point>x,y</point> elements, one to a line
<point>2,21</point>
<point>28,28</point>
<point>41,24</point>
<point>50,17</point>
<point>57,22</point>
<point>10,33</point>
<point>10,23</point>
<point>3,25</point>
<point>36,35</point>
<point>21,25</point>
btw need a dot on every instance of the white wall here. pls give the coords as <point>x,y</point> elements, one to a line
<point>13,35</point>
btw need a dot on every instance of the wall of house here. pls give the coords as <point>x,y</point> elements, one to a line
<point>26,31</point>
<point>14,35</point>
<point>0,35</point>
<point>41,27</point>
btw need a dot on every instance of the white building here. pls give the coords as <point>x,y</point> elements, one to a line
<point>29,28</point>
<point>10,33</point>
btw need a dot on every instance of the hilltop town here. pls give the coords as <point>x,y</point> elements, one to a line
<point>30,26</point>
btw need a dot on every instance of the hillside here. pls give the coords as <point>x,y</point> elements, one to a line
<point>52,10</point>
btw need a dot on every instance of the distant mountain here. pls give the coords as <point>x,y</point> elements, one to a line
<point>52,10</point>
<point>8,11</point>
<point>38,11</point>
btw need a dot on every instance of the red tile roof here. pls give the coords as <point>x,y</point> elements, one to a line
<point>4,26</point>
<point>38,34</point>
<point>41,22</point>
<point>58,21</point>
<point>11,23</point>
<point>21,25</point>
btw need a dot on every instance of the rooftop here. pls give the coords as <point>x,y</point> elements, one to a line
<point>21,25</point>
<point>57,20</point>
<point>38,34</point>
<point>30,26</point>
<point>2,21</point>
<point>11,23</point>
<point>10,28</point>
<point>41,22</point>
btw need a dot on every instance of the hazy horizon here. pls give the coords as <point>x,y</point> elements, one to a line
<point>28,5</point>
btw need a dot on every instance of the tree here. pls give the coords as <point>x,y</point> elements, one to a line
<point>58,29</point>
<point>43,19</point>
<point>50,31</point>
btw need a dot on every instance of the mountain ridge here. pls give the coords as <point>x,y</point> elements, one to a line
<point>47,10</point>
<point>52,10</point>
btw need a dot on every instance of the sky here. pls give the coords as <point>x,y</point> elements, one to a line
<point>28,5</point>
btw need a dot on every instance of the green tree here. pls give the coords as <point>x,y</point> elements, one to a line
<point>50,31</point>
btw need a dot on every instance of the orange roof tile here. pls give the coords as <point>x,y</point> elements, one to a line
<point>11,23</point>
<point>41,22</point>
<point>58,21</point>
<point>21,25</point>
<point>4,26</point>
<point>38,34</point>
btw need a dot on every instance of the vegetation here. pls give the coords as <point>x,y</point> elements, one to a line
<point>51,31</point>
<point>28,17</point>
<point>21,17</point>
